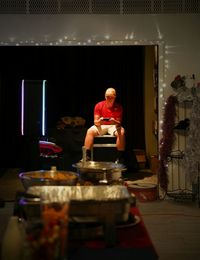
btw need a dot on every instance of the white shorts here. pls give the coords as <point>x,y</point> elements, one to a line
<point>105,129</point>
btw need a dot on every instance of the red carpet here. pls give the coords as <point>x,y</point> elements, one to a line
<point>132,243</point>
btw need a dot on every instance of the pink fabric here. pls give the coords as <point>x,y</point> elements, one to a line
<point>49,148</point>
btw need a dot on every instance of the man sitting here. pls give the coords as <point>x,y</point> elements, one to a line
<point>107,120</point>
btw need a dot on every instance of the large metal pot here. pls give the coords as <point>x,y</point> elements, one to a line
<point>45,177</point>
<point>99,171</point>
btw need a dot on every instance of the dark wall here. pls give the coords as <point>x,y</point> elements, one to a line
<point>77,77</point>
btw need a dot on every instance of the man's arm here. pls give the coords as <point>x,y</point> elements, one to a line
<point>97,120</point>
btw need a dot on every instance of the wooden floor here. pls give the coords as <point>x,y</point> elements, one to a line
<point>174,226</point>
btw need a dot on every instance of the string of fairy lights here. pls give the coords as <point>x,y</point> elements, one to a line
<point>108,40</point>
<point>64,41</point>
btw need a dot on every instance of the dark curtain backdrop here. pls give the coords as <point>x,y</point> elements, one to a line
<point>77,77</point>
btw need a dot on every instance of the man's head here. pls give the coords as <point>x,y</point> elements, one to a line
<point>110,96</point>
<point>110,92</point>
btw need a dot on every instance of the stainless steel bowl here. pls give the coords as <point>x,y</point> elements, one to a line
<point>51,177</point>
<point>99,171</point>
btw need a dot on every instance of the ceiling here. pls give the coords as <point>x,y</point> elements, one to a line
<point>99,6</point>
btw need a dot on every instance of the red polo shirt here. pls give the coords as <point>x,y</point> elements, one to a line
<point>102,110</point>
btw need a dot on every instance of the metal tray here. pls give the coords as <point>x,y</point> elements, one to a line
<point>89,201</point>
<point>107,205</point>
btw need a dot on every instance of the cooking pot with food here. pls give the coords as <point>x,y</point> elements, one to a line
<point>48,177</point>
<point>97,171</point>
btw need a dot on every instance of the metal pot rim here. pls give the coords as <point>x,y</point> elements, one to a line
<point>99,166</point>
